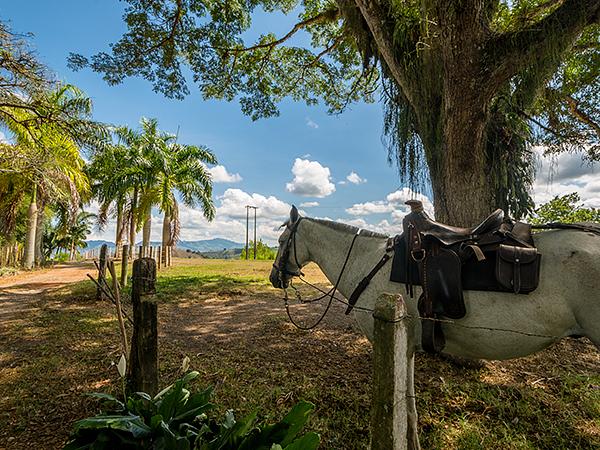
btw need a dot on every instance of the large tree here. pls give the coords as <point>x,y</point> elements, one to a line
<point>463,80</point>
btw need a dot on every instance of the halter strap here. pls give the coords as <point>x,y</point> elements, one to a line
<point>330,293</point>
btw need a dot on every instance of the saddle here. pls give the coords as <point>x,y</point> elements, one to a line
<point>496,255</point>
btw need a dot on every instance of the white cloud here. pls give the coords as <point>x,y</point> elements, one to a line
<point>309,204</point>
<point>364,209</point>
<point>234,201</point>
<point>219,174</point>
<point>3,139</point>
<point>311,123</point>
<point>311,179</point>
<point>563,174</point>
<point>354,178</point>
<point>394,203</point>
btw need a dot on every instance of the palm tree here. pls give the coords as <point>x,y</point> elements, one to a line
<point>46,163</point>
<point>145,169</point>
<point>111,187</point>
<point>184,172</point>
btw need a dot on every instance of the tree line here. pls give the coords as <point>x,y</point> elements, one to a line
<point>58,159</point>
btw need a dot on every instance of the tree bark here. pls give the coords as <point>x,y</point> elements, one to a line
<point>147,230</point>
<point>119,231</point>
<point>29,252</point>
<point>39,235</point>
<point>132,223</point>
<point>166,238</point>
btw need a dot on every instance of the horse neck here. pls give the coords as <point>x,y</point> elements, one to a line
<point>328,248</point>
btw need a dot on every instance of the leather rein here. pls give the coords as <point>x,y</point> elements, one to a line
<point>283,270</point>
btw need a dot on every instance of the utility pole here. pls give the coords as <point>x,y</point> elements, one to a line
<point>247,228</point>
<point>255,208</point>
<point>247,212</point>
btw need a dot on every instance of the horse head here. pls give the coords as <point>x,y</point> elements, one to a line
<point>288,262</point>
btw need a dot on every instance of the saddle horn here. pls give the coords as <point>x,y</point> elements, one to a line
<point>415,205</point>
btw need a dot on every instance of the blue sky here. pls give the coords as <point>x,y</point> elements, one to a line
<point>305,156</point>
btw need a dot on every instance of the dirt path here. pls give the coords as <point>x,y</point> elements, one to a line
<point>44,280</point>
<point>19,294</point>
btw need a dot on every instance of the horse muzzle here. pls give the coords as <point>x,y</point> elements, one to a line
<point>278,279</point>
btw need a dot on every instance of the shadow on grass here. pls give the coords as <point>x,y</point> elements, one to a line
<point>52,351</point>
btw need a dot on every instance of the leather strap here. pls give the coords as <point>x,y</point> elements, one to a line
<point>365,282</point>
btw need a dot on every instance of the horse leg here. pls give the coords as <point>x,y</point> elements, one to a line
<point>411,404</point>
<point>591,328</point>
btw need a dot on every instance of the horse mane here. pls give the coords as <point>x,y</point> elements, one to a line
<point>347,228</point>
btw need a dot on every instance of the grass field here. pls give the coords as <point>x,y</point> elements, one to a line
<point>225,316</point>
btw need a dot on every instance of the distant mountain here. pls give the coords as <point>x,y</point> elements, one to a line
<point>91,245</point>
<point>208,245</point>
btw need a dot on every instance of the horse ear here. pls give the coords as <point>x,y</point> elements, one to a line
<point>294,215</point>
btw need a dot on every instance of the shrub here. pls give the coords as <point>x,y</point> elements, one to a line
<point>177,419</point>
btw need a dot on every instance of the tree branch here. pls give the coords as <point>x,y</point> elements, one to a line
<point>325,16</point>
<point>581,115</point>
<point>511,52</point>
<point>375,18</point>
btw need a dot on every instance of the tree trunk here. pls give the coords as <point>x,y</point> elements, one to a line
<point>166,238</point>
<point>462,187</point>
<point>132,224</point>
<point>29,253</point>
<point>119,232</point>
<point>39,235</point>
<point>72,251</point>
<point>147,229</point>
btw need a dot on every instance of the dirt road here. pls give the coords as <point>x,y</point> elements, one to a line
<point>37,282</point>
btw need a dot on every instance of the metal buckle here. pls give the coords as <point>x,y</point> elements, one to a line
<point>422,255</point>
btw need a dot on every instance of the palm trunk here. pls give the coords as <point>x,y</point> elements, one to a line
<point>166,238</point>
<point>29,253</point>
<point>39,235</point>
<point>147,229</point>
<point>72,251</point>
<point>132,223</point>
<point>119,232</point>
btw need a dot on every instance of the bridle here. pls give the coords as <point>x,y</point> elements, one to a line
<point>283,270</point>
<point>285,256</point>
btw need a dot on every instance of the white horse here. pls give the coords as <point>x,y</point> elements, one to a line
<point>496,326</point>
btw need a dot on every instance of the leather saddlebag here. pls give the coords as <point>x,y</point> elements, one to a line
<point>518,268</point>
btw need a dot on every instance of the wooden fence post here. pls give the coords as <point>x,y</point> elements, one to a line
<point>117,293</point>
<point>102,271</point>
<point>389,419</point>
<point>159,257</point>
<point>143,359</point>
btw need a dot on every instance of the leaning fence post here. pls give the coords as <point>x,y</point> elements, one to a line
<point>389,420</point>
<point>143,359</point>
<point>117,293</point>
<point>102,271</point>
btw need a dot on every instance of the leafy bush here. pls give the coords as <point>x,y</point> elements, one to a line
<point>176,419</point>
<point>263,251</point>
<point>7,271</point>
<point>566,209</point>
<point>61,257</point>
